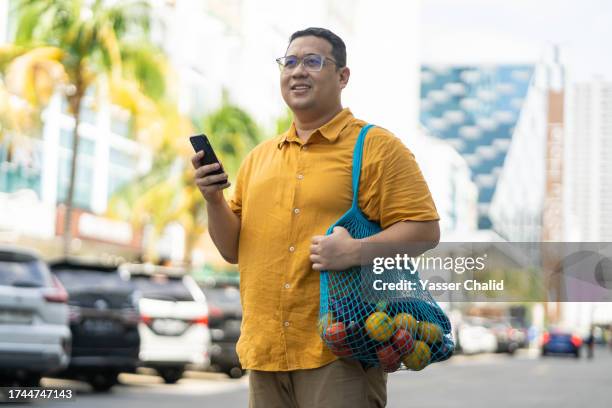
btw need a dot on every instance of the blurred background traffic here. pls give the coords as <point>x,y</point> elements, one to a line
<point>106,270</point>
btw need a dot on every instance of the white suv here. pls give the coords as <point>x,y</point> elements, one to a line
<point>174,330</point>
<point>35,337</point>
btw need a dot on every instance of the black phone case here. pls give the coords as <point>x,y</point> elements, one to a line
<point>201,142</point>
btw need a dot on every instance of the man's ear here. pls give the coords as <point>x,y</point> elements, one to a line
<point>345,74</point>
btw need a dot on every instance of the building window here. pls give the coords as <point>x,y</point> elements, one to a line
<point>122,169</point>
<point>21,169</point>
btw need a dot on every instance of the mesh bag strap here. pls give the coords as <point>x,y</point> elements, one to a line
<point>357,156</point>
<point>356,172</point>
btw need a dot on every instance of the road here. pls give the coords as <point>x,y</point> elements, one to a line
<point>473,382</point>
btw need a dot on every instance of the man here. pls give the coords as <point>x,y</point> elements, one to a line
<point>289,190</point>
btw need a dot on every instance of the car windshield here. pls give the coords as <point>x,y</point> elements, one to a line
<point>228,296</point>
<point>76,280</point>
<point>162,287</point>
<point>26,273</point>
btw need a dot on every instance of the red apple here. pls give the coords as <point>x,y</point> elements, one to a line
<point>402,341</point>
<point>341,351</point>
<point>335,334</point>
<point>393,368</point>
<point>389,358</point>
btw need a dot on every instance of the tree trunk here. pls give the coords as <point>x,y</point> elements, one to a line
<point>191,237</point>
<point>76,110</point>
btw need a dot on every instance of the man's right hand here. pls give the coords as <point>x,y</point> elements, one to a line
<point>213,193</point>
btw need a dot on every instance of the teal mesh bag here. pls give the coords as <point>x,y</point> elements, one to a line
<point>407,330</point>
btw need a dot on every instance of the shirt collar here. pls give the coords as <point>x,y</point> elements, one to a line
<point>329,131</point>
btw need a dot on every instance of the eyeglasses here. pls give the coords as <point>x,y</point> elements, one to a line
<point>311,62</point>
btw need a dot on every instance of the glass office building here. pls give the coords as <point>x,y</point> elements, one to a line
<point>475,109</point>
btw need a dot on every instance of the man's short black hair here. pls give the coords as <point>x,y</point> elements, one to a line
<point>338,47</point>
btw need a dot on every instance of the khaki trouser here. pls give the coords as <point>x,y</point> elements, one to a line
<point>342,383</point>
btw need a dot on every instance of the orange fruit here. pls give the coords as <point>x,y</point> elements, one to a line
<point>379,326</point>
<point>405,321</point>
<point>428,332</point>
<point>419,358</point>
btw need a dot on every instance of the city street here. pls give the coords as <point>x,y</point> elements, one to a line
<point>474,382</point>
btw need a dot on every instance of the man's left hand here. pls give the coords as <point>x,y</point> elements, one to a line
<point>334,252</point>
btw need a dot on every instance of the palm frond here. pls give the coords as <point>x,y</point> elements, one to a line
<point>34,74</point>
<point>147,65</point>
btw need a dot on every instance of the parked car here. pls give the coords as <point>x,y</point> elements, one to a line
<point>224,319</point>
<point>508,338</point>
<point>560,342</point>
<point>34,334</point>
<point>473,336</point>
<point>174,320</point>
<point>103,319</point>
<point>521,332</point>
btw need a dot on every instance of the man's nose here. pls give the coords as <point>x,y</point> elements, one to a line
<point>299,71</point>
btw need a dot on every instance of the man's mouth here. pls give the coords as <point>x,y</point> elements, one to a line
<point>300,87</point>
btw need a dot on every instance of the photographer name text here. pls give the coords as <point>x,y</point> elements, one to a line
<point>424,284</point>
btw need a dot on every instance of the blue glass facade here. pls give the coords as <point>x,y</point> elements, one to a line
<point>475,109</point>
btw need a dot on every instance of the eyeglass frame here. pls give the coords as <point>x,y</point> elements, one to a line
<point>300,61</point>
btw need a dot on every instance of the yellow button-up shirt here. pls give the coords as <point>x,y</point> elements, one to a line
<point>286,192</point>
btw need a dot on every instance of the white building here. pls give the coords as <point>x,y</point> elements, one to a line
<point>34,181</point>
<point>233,44</point>
<point>517,206</point>
<point>589,162</point>
<point>518,203</point>
<point>449,179</point>
<point>588,175</point>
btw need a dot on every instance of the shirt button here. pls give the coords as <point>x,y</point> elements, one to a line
<point>300,176</point>
<point>304,147</point>
<point>287,286</point>
<point>291,249</point>
<point>286,324</point>
<point>296,210</point>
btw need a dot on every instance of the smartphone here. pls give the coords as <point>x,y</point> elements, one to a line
<point>201,142</point>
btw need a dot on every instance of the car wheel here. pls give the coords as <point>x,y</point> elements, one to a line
<point>6,381</point>
<point>235,372</point>
<point>512,348</point>
<point>30,380</point>
<point>103,382</point>
<point>171,375</point>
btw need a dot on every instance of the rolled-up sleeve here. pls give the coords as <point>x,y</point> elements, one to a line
<point>392,187</point>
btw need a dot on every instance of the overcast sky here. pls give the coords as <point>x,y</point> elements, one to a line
<point>457,31</point>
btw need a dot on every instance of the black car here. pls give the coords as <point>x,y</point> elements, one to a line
<point>224,319</point>
<point>104,322</point>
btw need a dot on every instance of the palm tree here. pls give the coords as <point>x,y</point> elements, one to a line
<point>85,46</point>
<point>232,132</point>
<point>154,197</point>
